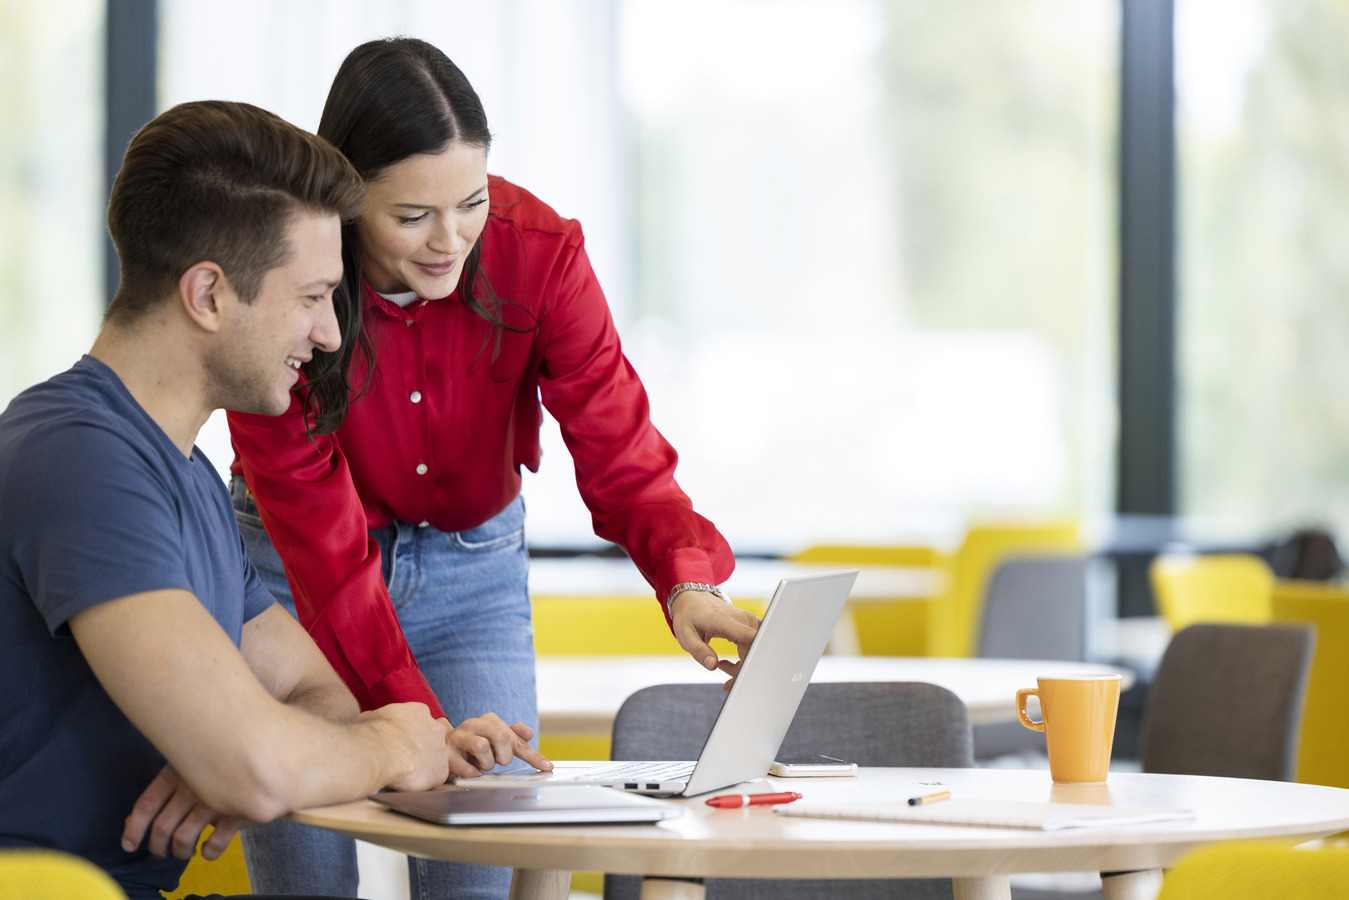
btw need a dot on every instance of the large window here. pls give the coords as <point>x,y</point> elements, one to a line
<point>1264,339</point>
<point>51,192</point>
<point>860,251</point>
<point>874,258</point>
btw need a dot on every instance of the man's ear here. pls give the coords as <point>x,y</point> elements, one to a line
<point>203,291</point>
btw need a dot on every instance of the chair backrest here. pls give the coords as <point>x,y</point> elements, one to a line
<point>871,724</point>
<point>227,875</point>
<point>1322,751</point>
<point>1036,608</point>
<point>955,621</point>
<point>1258,871</point>
<point>1228,587</point>
<point>627,625</point>
<point>1227,700</point>
<point>918,555</point>
<point>892,626</point>
<point>50,875</point>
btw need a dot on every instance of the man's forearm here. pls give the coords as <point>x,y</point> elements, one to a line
<point>328,700</point>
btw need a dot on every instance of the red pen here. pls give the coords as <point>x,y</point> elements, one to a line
<point>731,801</point>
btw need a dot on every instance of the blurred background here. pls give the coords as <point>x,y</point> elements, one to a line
<point>865,254</point>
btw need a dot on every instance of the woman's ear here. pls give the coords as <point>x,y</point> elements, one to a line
<point>202,291</point>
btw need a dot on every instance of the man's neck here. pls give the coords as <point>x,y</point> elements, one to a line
<point>163,374</point>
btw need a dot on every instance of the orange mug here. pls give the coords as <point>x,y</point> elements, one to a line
<point>1078,719</point>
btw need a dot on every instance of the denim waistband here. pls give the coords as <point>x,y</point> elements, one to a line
<point>243,497</point>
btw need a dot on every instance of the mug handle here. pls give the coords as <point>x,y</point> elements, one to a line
<point>1026,720</point>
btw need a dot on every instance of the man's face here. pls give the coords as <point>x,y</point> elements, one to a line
<point>257,361</point>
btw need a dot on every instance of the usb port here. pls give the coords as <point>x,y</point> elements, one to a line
<point>652,786</point>
<point>631,785</point>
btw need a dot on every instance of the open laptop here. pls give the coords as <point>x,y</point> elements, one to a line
<point>555,805</point>
<point>755,715</point>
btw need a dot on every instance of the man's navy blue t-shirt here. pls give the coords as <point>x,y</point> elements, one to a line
<point>96,503</point>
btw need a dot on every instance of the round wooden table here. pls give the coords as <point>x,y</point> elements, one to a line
<point>754,842</point>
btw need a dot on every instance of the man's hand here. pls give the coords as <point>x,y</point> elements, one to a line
<point>480,743</point>
<point>176,819</point>
<point>699,616</point>
<point>422,740</point>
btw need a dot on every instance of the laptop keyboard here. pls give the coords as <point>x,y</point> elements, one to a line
<point>642,771</point>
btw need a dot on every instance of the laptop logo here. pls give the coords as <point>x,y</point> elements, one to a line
<point>798,676</point>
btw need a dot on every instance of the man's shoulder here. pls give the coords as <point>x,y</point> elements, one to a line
<point>74,445</point>
<point>68,415</point>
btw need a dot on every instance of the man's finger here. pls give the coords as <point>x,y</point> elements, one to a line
<point>461,767</point>
<point>166,823</point>
<point>226,827</point>
<point>147,806</point>
<point>188,832</point>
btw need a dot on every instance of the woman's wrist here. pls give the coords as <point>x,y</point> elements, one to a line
<point>694,586</point>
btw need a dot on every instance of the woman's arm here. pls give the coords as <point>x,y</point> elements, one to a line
<point>624,466</point>
<point>312,514</point>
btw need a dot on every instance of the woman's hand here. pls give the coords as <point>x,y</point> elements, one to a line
<point>699,616</point>
<point>480,743</point>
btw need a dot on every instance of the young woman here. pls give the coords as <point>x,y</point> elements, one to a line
<point>475,299</point>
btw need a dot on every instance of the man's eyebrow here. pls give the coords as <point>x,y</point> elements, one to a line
<point>324,283</point>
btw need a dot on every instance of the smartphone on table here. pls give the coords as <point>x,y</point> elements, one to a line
<point>816,766</point>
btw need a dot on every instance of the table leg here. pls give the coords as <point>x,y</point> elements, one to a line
<point>540,884</point>
<point>1141,885</point>
<point>673,889</point>
<point>992,887</point>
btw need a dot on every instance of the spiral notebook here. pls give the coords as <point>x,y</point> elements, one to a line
<point>990,813</point>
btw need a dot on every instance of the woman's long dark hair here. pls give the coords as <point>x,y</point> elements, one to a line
<point>392,99</point>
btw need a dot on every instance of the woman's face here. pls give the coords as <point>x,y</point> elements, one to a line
<point>421,218</point>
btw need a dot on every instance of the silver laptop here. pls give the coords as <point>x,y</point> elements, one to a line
<point>755,715</point>
<point>527,806</point>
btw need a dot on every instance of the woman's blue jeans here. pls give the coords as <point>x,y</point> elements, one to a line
<point>462,599</point>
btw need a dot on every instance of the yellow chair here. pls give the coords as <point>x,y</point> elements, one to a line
<point>868,555</point>
<point>1233,588</point>
<point>1323,754</point>
<point>228,874</point>
<point>610,626</point>
<point>884,627</point>
<point>954,623</point>
<point>603,625</point>
<point>51,875</point>
<point>569,625</point>
<point>1258,871</point>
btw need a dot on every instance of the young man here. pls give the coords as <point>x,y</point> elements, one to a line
<point>151,684</point>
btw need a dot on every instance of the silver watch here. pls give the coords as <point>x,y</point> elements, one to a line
<point>694,586</point>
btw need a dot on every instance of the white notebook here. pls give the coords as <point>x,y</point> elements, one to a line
<point>990,813</point>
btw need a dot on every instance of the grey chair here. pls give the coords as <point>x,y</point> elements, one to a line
<point>1227,700</point>
<point>873,724</point>
<point>1035,608</point>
